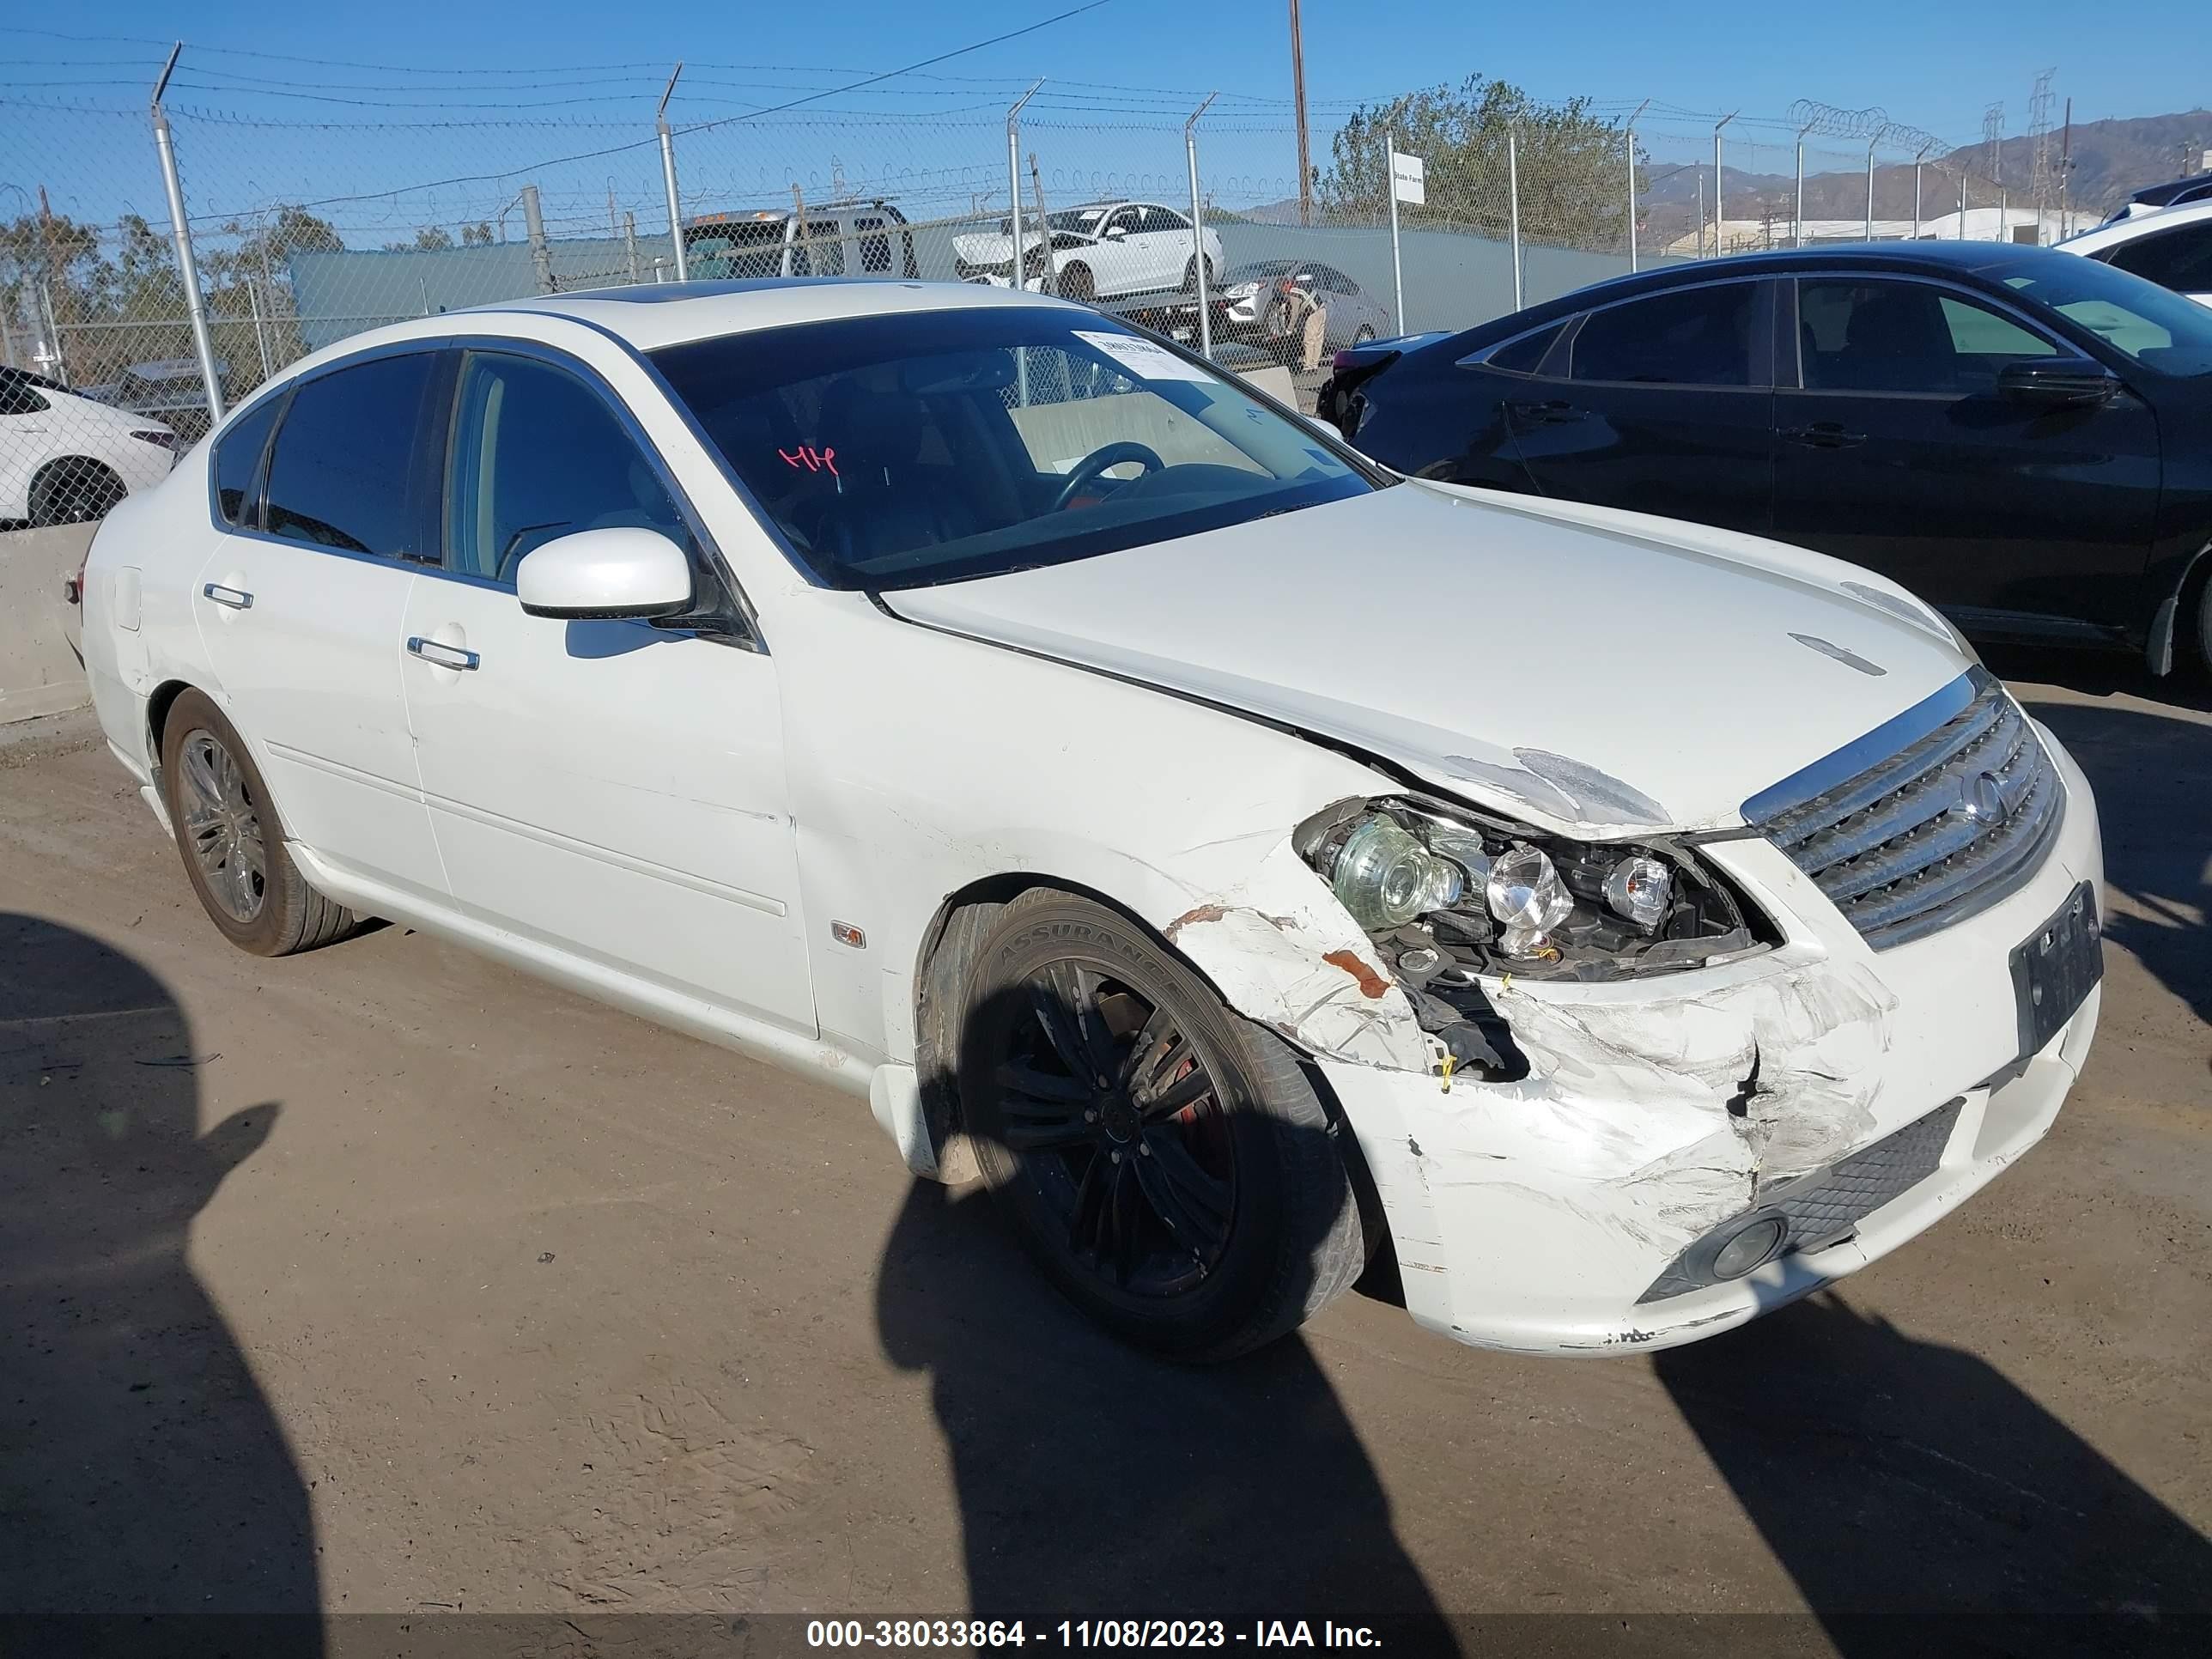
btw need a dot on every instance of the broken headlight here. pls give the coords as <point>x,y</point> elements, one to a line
<point>1448,897</point>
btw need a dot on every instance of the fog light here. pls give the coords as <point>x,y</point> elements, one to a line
<point>1755,1244</point>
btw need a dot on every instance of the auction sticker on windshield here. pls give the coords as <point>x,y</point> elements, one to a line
<point>1145,359</point>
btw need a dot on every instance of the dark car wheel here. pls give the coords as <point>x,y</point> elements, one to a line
<point>231,842</point>
<point>1166,1164</point>
<point>74,490</point>
<point>1075,283</point>
<point>1190,275</point>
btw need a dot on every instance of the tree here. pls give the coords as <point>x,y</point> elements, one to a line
<point>477,234</point>
<point>1572,171</point>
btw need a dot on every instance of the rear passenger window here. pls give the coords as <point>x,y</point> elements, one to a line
<point>340,476</point>
<point>237,456</point>
<point>2180,259</point>
<point>875,246</point>
<point>1685,337</point>
<point>1523,356</point>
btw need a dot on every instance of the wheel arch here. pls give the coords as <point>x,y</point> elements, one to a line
<point>946,951</point>
<point>2178,612</point>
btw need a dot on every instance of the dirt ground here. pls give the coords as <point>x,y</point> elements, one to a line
<point>384,1279</point>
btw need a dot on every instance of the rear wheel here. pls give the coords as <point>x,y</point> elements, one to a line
<point>231,842</point>
<point>1166,1164</point>
<point>74,490</point>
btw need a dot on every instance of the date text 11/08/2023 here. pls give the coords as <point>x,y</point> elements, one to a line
<point>1084,1633</point>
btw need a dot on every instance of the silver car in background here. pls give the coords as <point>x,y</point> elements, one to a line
<point>1264,300</point>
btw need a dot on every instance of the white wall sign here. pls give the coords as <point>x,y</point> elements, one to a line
<point>1407,180</point>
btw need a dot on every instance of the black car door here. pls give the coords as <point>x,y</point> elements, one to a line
<point>1898,451</point>
<point>1661,403</point>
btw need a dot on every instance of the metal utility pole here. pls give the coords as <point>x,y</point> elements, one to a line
<point>1197,227</point>
<point>1513,202</point>
<point>1719,217</point>
<point>1397,264</point>
<point>195,307</point>
<point>1797,231</point>
<point>1963,170</point>
<point>668,176</point>
<point>1299,97</point>
<point>1701,214</point>
<point>1630,135</point>
<point>533,226</point>
<point>2066,173</point>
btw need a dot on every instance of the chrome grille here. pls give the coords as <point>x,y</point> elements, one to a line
<point>1928,819</point>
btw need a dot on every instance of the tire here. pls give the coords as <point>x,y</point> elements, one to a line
<point>1365,335</point>
<point>225,824</point>
<point>1190,275</point>
<point>1196,1205</point>
<point>1076,283</point>
<point>74,490</point>
<point>2204,609</point>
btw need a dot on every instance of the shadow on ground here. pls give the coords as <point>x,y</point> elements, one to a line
<point>1094,1482</point>
<point>141,1470</point>
<point>1894,1476</point>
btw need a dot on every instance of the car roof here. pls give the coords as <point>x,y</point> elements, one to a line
<point>2160,195</point>
<point>1930,258</point>
<point>2136,225</point>
<point>648,316</point>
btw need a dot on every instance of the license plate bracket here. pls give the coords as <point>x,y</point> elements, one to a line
<point>2056,967</point>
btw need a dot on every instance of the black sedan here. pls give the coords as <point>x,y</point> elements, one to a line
<point>2022,437</point>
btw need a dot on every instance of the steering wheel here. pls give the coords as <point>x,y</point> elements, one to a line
<point>1087,470</point>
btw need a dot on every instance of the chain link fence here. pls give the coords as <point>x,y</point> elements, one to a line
<point>303,232</point>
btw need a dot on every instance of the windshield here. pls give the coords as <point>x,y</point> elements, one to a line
<point>745,247</point>
<point>2149,325</point>
<point>903,451</point>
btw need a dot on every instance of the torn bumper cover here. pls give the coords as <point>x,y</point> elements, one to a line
<point>1825,1100</point>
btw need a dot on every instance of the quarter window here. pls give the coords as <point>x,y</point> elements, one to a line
<point>1526,354</point>
<point>18,398</point>
<point>537,454</point>
<point>340,474</point>
<point>1685,337</point>
<point>2180,259</point>
<point>237,456</point>
<point>1906,337</point>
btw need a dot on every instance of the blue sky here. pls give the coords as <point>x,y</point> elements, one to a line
<point>1126,64</point>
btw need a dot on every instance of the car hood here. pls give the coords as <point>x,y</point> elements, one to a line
<point>991,248</point>
<point>1585,670</point>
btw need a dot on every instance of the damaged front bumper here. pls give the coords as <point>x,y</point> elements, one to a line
<point>1857,1095</point>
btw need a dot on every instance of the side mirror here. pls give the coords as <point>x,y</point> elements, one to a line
<point>1117,230</point>
<point>604,574</point>
<point>2057,382</point>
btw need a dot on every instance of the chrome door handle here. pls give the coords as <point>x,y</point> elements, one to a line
<point>235,599</point>
<point>444,656</point>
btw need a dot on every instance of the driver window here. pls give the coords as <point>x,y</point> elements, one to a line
<point>536,454</point>
<point>1124,220</point>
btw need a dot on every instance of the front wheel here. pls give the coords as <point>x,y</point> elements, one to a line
<point>1165,1163</point>
<point>1190,275</point>
<point>231,842</point>
<point>1075,283</point>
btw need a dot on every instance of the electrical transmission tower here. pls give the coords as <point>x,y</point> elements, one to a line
<point>1993,142</point>
<point>2041,175</point>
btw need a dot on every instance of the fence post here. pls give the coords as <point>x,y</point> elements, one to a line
<point>1397,265</point>
<point>1014,224</point>
<point>1871,142</point>
<point>2004,215</point>
<point>533,226</point>
<point>1044,228</point>
<point>1962,202</point>
<point>1797,231</point>
<point>195,307</point>
<point>1513,201</point>
<point>668,179</point>
<point>629,242</point>
<point>1630,134</point>
<point>1197,228</point>
<point>260,329</point>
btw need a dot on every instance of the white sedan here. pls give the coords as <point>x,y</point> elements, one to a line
<point>2171,246</point>
<point>1246,861</point>
<point>1103,250</point>
<point>65,459</point>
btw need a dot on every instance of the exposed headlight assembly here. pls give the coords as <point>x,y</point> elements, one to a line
<point>1449,892</point>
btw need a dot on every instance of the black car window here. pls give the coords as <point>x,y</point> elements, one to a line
<point>2180,259</point>
<point>237,454</point>
<point>1164,219</point>
<point>1335,280</point>
<point>1684,336</point>
<point>536,453</point>
<point>819,253</point>
<point>1904,337</point>
<point>1525,354</point>
<point>875,245</point>
<point>18,397</point>
<point>339,474</point>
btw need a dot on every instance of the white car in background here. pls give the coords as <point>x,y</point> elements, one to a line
<point>2170,246</point>
<point>65,458</point>
<point>1102,250</point>
<point>1248,861</point>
